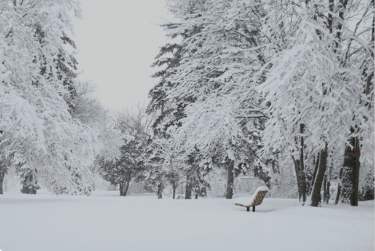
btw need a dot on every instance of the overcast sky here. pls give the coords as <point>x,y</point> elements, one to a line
<point>117,41</point>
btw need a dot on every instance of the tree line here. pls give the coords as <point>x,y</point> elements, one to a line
<point>268,87</point>
<point>280,89</point>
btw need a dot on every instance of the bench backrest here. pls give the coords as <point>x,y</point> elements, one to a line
<point>259,198</point>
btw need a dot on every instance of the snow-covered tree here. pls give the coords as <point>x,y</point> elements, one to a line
<point>265,78</point>
<point>320,85</point>
<point>89,111</point>
<point>4,165</point>
<point>131,162</point>
<point>36,127</point>
<point>128,165</point>
<point>164,165</point>
<point>222,113</point>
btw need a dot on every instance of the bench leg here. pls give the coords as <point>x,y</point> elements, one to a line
<point>253,208</point>
<point>248,209</point>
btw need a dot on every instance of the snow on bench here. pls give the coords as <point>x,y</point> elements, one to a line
<point>255,200</point>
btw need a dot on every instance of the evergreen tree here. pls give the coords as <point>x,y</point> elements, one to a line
<point>128,166</point>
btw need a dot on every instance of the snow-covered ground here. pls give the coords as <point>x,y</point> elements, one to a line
<point>108,222</point>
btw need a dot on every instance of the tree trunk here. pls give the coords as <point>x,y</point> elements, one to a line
<point>126,188</point>
<point>339,187</point>
<point>124,185</point>
<point>301,180</point>
<point>327,185</point>
<point>325,190</point>
<point>229,194</point>
<point>296,168</point>
<point>328,191</point>
<point>3,171</point>
<point>302,166</point>
<point>303,184</point>
<point>121,188</point>
<point>188,187</point>
<point>174,189</point>
<point>127,183</point>
<point>310,183</point>
<point>2,175</point>
<point>351,161</point>
<point>160,190</point>
<point>300,169</point>
<point>317,186</point>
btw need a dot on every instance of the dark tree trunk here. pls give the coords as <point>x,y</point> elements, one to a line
<point>174,187</point>
<point>3,171</point>
<point>327,185</point>
<point>127,183</point>
<point>339,187</point>
<point>317,186</point>
<point>301,180</point>
<point>325,190</point>
<point>311,176</point>
<point>160,190</point>
<point>124,185</point>
<point>296,168</point>
<point>126,188</point>
<point>229,193</point>
<point>196,196</point>
<point>300,169</point>
<point>317,162</point>
<point>328,191</point>
<point>352,164</point>
<point>121,188</point>
<point>2,175</point>
<point>188,187</point>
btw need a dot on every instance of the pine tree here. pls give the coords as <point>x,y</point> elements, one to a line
<point>127,166</point>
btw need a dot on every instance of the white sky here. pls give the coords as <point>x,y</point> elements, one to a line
<point>117,41</point>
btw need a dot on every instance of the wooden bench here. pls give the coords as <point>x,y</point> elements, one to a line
<point>256,199</point>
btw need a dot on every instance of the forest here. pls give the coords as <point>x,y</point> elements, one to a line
<point>281,91</point>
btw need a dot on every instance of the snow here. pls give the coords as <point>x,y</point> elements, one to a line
<point>249,200</point>
<point>106,221</point>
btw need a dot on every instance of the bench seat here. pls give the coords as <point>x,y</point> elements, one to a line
<point>253,200</point>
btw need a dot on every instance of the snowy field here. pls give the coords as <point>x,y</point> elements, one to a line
<point>106,221</point>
